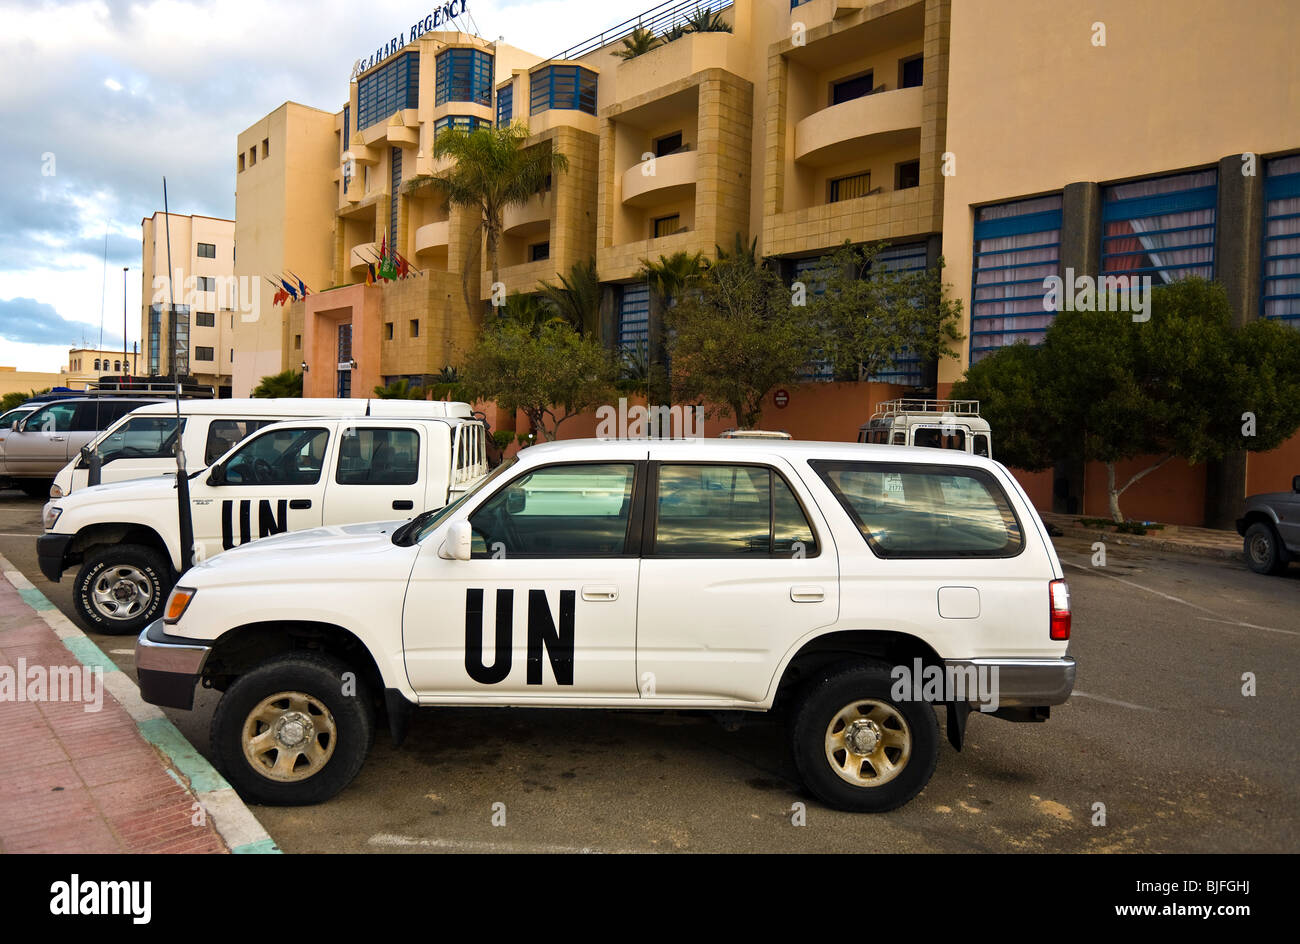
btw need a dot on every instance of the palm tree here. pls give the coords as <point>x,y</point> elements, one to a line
<point>704,21</point>
<point>493,170</point>
<point>638,42</point>
<point>399,389</point>
<point>577,297</point>
<point>531,311</point>
<point>673,275</point>
<point>287,383</point>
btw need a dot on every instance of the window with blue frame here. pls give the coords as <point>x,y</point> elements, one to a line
<point>466,123</point>
<point>1280,287</point>
<point>570,87</point>
<point>505,105</point>
<point>395,161</point>
<point>464,75</point>
<point>388,89</point>
<point>1162,227</point>
<point>634,319</point>
<point>347,117</point>
<point>1016,246</point>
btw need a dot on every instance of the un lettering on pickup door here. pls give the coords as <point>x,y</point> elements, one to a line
<point>271,519</point>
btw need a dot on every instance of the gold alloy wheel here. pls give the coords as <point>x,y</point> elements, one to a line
<point>289,736</point>
<point>868,742</point>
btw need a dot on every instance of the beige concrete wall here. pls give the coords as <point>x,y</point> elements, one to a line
<point>1034,105</point>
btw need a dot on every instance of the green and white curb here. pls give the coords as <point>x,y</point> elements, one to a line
<point>234,822</point>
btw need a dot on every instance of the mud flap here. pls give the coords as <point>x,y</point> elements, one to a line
<point>399,714</point>
<point>957,715</point>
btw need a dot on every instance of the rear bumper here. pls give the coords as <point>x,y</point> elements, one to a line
<point>168,667</point>
<point>50,551</point>
<point>1015,683</point>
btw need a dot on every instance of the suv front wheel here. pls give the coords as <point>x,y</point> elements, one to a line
<point>858,749</point>
<point>1264,552</point>
<point>121,588</point>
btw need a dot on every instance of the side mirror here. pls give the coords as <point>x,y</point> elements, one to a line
<point>1295,483</point>
<point>14,427</point>
<point>516,501</point>
<point>217,476</point>
<point>458,543</point>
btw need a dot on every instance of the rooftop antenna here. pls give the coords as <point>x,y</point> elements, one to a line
<point>182,480</point>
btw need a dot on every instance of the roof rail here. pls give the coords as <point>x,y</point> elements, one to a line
<point>908,405</point>
<point>128,386</point>
<point>657,19</point>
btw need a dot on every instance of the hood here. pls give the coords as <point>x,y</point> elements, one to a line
<point>1272,498</point>
<point>336,552</point>
<point>331,536</point>
<point>127,490</point>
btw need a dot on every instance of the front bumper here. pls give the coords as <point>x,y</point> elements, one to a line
<point>1020,683</point>
<point>50,551</point>
<point>168,667</point>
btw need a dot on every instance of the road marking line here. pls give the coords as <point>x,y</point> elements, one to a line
<point>1111,701</point>
<point>471,845</point>
<point>34,534</point>
<point>1213,617</point>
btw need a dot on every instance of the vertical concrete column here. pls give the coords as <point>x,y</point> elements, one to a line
<point>1238,219</point>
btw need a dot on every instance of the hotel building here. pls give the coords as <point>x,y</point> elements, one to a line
<point>1013,139</point>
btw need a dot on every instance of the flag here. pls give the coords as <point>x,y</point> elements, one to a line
<point>403,267</point>
<point>370,274</point>
<point>292,292</point>
<point>302,288</point>
<point>387,268</point>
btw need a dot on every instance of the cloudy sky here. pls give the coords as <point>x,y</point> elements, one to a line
<point>100,99</point>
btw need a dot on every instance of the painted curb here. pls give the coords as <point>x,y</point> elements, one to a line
<point>233,821</point>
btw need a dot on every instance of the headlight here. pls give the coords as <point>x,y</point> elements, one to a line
<point>178,603</point>
<point>50,516</point>
<point>56,491</point>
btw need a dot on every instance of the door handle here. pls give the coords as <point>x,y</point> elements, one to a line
<point>57,438</point>
<point>299,504</point>
<point>403,504</point>
<point>807,594</point>
<point>600,594</point>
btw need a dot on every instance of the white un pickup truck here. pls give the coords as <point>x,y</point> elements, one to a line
<point>857,587</point>
<point>125,537</point>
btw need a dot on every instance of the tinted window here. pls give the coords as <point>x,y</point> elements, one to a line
<point>940,440</point>
<point>55,418</point>
<point>981,445</point>
<point>141,437</point>
<point>284,457</point>
<point>379,457</point>
<point>558,511</point>
<point>850,89</point>
<point>925,511</point>
<point>728,510</point>
<point>224,435</point>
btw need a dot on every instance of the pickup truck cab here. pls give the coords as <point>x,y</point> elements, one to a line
<point>855,588</point>
<point>124,537</point>
<point>143,443</point>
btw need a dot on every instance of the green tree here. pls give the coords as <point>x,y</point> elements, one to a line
<point>638,42</point>
<point>1184,383</point>
<point>400,389</point>
<point>577,298</point>
<point>737,336</point>
<point>870,316</point>
<point>11,400</point>
<point>673,276</point>
<point>287,383</point>
<point>531,312</point>
<point>551,373</point>
<point>492,170</point>
<point>707,21</point>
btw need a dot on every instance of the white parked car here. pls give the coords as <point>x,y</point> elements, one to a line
<point>143,443</point>
<point>858,587</point>
<point>124,538</point>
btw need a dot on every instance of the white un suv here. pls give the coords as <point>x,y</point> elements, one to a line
<point>856,587</point>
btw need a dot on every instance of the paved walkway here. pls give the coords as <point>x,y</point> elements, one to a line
<point>85,765</point>
<point>1203,542</point>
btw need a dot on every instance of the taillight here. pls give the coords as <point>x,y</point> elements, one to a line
<point>1059,593</point>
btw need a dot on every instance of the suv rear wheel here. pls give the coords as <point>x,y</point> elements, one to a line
<point>121,588</point>
<point>858,749</point>
<point>1264,552</point>
<point>293,731</point>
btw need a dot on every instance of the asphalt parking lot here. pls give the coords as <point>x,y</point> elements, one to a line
<point>1158,733</point>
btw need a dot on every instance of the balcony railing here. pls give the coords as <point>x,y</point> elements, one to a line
<point>658,20</point>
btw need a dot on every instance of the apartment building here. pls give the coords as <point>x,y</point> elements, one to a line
<point>188,308</point>
<point>1011,139</point>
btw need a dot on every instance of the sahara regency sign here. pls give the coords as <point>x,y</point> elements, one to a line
<point>438,19</point>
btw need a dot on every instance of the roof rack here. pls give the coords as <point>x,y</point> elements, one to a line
<point>907,405</point>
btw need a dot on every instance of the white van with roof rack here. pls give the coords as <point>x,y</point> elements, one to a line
<point>941,424</point>
<point>124,538</point>
<point>143,443</point>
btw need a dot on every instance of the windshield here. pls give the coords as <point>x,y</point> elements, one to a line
<point>13,416</point>
<point>438,517</point>
<point>140,437</point>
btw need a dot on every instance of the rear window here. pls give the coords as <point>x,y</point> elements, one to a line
<point>906,510</point>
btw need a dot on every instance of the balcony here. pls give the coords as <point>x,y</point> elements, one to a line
<point>528,215</point>
<point>872,122</point>
<point>433,235</point>
<point>362,255</point>
<point>674,176</point>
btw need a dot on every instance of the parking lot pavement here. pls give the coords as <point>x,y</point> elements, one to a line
<point>1159,750</point>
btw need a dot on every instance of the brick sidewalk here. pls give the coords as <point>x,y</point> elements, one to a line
<point>78,781</point>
